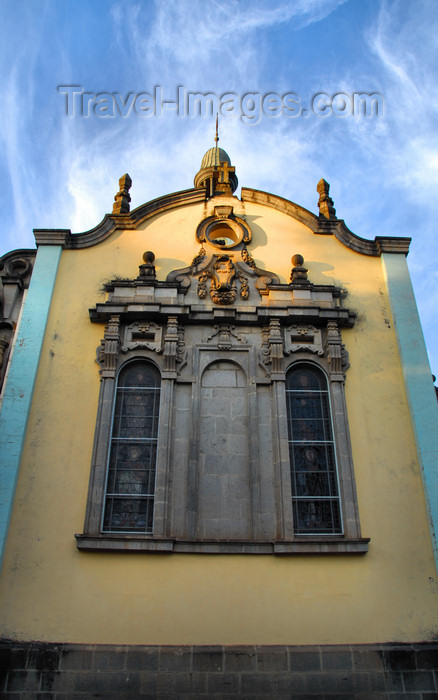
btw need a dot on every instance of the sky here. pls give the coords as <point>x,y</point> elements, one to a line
<point>284,74</point>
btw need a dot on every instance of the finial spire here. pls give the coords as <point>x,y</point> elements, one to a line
<point>122,198</point>
<point>216,138</point>
<point>325,203</point>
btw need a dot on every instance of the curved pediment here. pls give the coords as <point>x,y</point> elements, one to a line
<point>116,222</point>
<point>319,225</point>
<point>328,226</point>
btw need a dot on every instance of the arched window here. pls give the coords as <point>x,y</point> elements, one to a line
<point>315,492</point>
<point>130,487</point>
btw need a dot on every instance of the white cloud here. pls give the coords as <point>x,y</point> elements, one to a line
<point>383,172</point>
<point>202,40</point>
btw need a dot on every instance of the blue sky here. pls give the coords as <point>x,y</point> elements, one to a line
<point>62,172</point>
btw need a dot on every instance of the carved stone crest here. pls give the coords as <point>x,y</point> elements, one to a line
<point>222,274</point>
<point>225,276</point>
<point>223,288</point>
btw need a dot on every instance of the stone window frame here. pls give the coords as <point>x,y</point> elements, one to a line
<point>115,438</point>
<point>289,543</point>
<point>102,441</point>
<point>342,445</point>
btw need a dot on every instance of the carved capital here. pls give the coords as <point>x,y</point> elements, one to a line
<point>174,348</point>
<point>265,352</point>
<point>276,348</point>
<point>336,354</point>
<point>272,351</point>
<point>171,344</point>
<point>107,351</point>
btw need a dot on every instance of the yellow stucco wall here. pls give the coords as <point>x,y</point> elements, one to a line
<point>51,591</point>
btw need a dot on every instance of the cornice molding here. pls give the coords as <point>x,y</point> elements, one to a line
<point>51,236</point>
<point>284,205</point>
<point>114,222</point>
<point>335,227</point>
<point>313,545</point>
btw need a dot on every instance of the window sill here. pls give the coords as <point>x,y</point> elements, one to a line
<point>304,545</point>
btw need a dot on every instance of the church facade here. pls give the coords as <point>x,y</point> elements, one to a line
<point>219,450</point>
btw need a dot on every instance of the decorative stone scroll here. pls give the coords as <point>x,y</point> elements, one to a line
<point>248,259</point>
<point>303,337</point>
<point>142,335</point>
<point>224,333</point>
<point>197,260</point>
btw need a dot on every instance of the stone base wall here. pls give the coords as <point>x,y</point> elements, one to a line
<point>40,671</point>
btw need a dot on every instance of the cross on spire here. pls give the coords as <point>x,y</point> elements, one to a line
<point>225,171</point>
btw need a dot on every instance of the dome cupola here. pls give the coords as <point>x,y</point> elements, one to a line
<point>216,174</point>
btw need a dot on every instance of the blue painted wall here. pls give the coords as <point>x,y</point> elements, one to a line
<point>418,379</point>
<point>20,383</point>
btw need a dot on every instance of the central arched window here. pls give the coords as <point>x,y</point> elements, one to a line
<point>130,487</point>
<point>315,492</point>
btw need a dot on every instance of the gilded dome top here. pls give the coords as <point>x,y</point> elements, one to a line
<point>214,157</point>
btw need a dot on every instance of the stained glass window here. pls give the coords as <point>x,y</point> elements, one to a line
<point>130,488</point>
<point>315,493</point>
